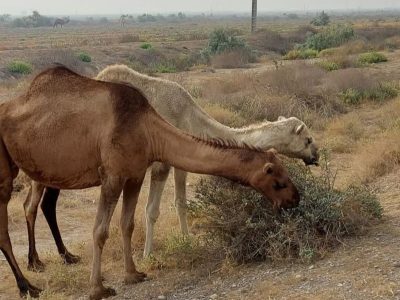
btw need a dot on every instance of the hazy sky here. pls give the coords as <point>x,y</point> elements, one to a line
<point>142,6</point>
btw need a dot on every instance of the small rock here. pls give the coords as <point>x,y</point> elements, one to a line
<point>234,285</point>
<point>161,297</point>
<point>340,284</point>
<point>311,267</point>
<point>214,296</point>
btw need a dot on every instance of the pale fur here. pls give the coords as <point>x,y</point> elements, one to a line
<point>177,106</point>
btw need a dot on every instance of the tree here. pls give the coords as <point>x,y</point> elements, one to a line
<point>321,20</point>
<point>254,16</point>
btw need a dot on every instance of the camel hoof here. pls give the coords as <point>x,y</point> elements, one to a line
<point>70,259</point>
<point>36,266</point>
<point>30,289</point>
<point>134,278</point>
<point>101,293</point>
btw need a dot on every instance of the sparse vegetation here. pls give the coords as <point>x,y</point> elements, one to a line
<point>85,57</point>
<point>372,58</point>
<point>322,19</point>
<point>20,67</point>
<point>223,42</point>
<point>332,36</point>
<point>245,224</point>
<point>301,54</point>
<point>380,92</point>
<point>34,20</point>
<point>146,46</point>
<point>129,38</point>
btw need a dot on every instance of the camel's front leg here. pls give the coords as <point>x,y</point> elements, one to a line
<point>130,198</point>
<point>159,175</point>
<point>30,207</point>
<point>110,191</point>
<point>180,199</point>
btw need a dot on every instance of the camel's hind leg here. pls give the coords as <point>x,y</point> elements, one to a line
<point>48,206</point>
<point>130,198</point>
<point>6,179</point>
<point>159,175</point>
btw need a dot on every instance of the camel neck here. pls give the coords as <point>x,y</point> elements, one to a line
<point>265,136</point>
<point>178,149</point>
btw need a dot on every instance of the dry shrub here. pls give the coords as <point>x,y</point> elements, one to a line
<point>67,58</point>
<point>224,115</point>
<point>351,47</point>
<point>281,42</point>
<point>351,78</point>
<point>129,38</point>
<point>61,280</point>
<point>244,224</point>
<point>303,83</point>
<point>377,34</point>
<point>229,60</point>
<point>378,157</point>
<point>292,90</point>
<point>343,133</point>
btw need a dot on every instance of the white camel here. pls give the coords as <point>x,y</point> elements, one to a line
<point>288,136</point>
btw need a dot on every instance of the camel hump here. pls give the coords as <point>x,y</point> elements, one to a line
<point>128,101</point>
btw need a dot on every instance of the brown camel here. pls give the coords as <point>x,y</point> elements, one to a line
<point>71,132</point>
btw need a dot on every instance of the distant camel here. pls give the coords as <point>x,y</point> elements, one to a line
<point>289,136</point>
<point>71,132</point>
<point>122,20</point>
<point>61,22</point>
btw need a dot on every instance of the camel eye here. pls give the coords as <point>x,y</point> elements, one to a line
<point>309,141</point>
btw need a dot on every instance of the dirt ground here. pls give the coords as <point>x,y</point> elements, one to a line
<point>366,267</point>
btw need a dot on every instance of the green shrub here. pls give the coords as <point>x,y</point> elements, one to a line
<point>20,67</point>
<point>225,41</point>
<point>372,58</point>
<point>222,40</point>
<point>332,36</point>
<point>351,96</point>
<point>380,92</point>
<point>321,19</point>
<point>83,56</point>
<point>329,65</point>
<point>301,54</point>
<point>165,68</point>
<point>243,223</point>
<point>146,46</point>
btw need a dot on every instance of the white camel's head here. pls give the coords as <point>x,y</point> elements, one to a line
<point>292,137</point>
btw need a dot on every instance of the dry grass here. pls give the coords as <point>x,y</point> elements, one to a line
<point>379,157</point>
<point>229,60</point>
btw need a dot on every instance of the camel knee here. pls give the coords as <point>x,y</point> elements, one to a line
<point>152,213</point>
<point>100,237</point>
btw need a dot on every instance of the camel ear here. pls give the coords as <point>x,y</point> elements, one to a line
<point>273,151</point>
<point>268,168</point>
<point>299,129</point>
<point>281,118</point>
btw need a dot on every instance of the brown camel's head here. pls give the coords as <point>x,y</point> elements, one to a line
<point>273,181</point>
